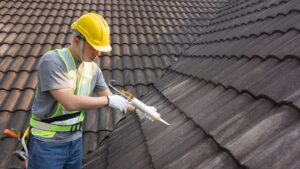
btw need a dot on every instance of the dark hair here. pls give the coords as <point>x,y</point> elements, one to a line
<point>78,35</point>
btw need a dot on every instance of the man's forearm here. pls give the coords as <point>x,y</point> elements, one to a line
<point>73,102</point>
<point>86,102</point>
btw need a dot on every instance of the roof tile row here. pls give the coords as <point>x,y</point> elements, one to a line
<point>245,125</point>
<point>257,76</point>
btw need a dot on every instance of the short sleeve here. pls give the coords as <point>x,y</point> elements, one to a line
<point>100,82</point>
<point>52,73</point>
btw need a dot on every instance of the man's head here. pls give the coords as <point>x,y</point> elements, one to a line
<point>92,36</point>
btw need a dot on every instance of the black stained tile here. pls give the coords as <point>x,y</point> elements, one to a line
<point>170,79</point>
<point>244,119</point>
<point>276,43</point>
<point>185,88</point>
<point>287,47</point>
<point>90,143</point>
<point>156,131</point>
<point>231,122</point>
<point>268,25</point>
<point>185,148</point>
<point>7,145</point>
<point>284,158</point>
<point>127,132</point>
<point>282,69</point>
<point>218,97</point>
<point>138,155</point>
<point>264,41</point>
<point>204,150</point>
<point>186,144</point>
<point>193,98</point>
<point>97,158</point>
<point>289,22</point>
<point>127,139</point>
<point>286,86</point>
<point>259,70</point>
<point>265,130</point>
<point>241,71</point>
<point>220,160</point>
<point>252,42</point>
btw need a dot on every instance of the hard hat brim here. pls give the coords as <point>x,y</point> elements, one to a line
<point>103,48</point>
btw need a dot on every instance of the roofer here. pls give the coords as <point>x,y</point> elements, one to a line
<point>66,79</point>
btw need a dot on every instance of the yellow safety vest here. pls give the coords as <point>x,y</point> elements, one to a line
<point>68,121</point>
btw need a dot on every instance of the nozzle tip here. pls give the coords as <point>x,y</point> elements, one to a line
<point>163,121</point>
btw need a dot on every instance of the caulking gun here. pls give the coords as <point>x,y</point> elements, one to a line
<point>150,113</point>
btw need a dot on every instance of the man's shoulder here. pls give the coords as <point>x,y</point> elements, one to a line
<point>51,60</point>
<point>52,57</point>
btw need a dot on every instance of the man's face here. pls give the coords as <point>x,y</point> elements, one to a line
<point>89,53</point>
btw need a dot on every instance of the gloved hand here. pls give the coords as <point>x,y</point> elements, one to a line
<point>118,102</point>
<point>142,115</point>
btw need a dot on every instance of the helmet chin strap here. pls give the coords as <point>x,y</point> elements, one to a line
<point>81,49</point>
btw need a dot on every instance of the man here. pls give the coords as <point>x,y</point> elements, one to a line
<point>66,79</point>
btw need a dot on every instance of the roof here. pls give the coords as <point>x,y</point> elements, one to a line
<point>146,38</point>
<point>223,73</point>
<point>232,98</point>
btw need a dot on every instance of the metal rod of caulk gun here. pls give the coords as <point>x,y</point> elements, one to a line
<point>116,90</point>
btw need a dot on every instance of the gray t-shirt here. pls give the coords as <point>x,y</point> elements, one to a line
<point>52,74</point>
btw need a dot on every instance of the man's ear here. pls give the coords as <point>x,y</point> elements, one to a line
<point>75,40</point>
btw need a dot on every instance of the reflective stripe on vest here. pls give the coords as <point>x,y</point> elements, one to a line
<point>81,86</point>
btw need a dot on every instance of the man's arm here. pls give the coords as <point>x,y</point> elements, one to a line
<point>73,102</point>
<point>107,92</point>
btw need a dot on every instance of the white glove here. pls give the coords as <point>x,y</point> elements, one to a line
<point>118,102</point>
<point>143,115</point>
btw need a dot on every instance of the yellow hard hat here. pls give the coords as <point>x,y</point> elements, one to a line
<point>95,31</point>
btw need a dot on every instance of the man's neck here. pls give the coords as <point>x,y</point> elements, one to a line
<point>74,53</point>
